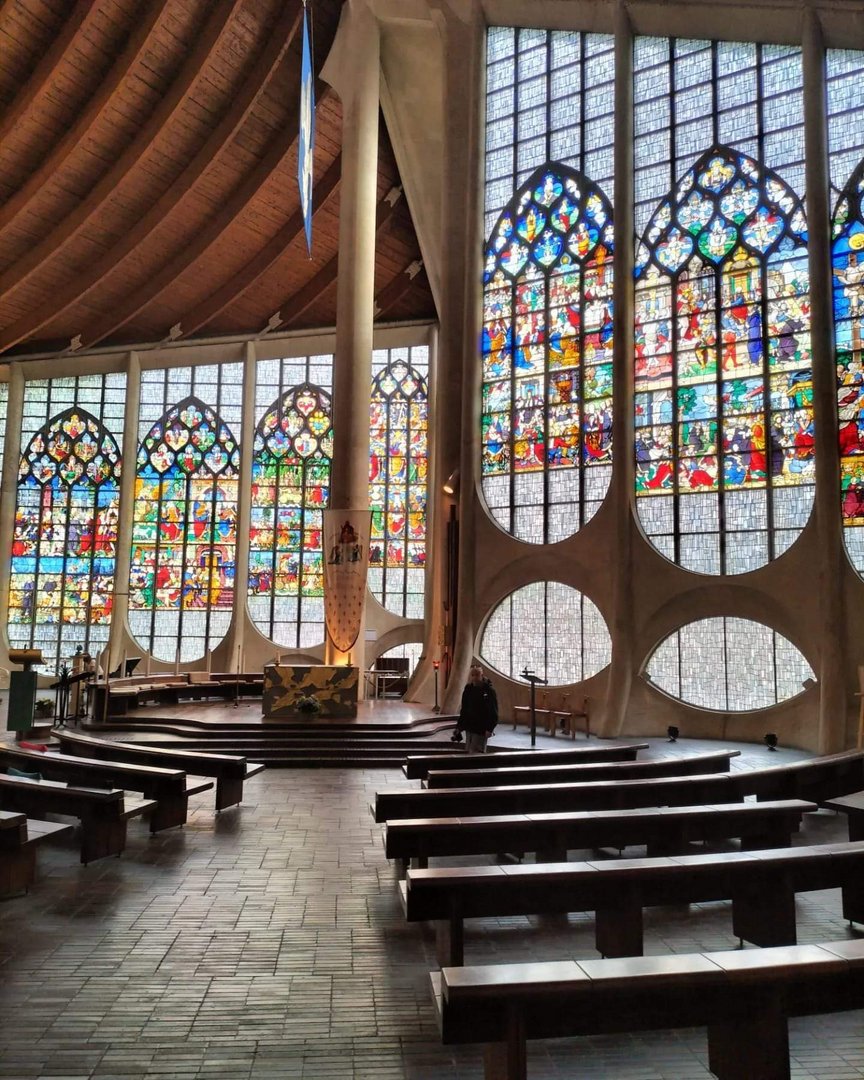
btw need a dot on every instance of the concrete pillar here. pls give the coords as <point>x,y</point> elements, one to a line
<point>9,491</point>
<point>458,403</point>
<point>117,637</point>
<point>236,636</point>
<point>828,519</point>
<point>353,70</point>
<point>622,629</point>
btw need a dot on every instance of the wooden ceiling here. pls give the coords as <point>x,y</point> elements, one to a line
<point>148,161</point>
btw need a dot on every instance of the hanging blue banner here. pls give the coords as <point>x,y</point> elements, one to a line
<point>307,132</point>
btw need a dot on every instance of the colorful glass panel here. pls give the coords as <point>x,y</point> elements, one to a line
<point>184,529</point>
<point>724,400</point>
<point>398,459</point>
<point>549,628</point>
<point>290,490</point>
<point>728,665</point>
<point>547,323</point>
<point>64,542</point>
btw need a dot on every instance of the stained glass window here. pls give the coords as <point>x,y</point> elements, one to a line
<point>397,479</point>
<point>549,628</point>
<point>290,489</point>
<point>63,549</point>
<point>845,71</point>
<point>4,405</point>
<point>181,590</point>
<point>730,665</point>
<point>724,397</point>
<point>547,323</point>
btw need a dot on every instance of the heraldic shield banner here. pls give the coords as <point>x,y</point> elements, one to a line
<point>346,551</point>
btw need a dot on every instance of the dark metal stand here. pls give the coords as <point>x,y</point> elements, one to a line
<point>533,680</point>
<point>435,665</point>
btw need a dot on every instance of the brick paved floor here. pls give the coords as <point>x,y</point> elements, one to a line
<point>269,942</point>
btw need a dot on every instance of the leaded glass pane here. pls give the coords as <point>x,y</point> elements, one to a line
<point>724,403</point>
<point>185,514</point>
<point>64,542</point>
<point>398,465</point>
<point>292,451</point>
<point>728,665</point>
<point>549,628</point>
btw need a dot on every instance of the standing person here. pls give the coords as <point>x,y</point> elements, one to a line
<point>478,713</point>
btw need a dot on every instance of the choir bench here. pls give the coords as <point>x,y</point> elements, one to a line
<point>102,813</point>
<point>417,766</point>
<point>18,840</point>
<point>229,770</point>
<point>169,788</point>
<point>761,885</point>
<point>744,999</point>
<point>663,830</point>
<point>574,773</point>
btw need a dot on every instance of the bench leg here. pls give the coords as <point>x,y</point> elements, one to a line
<point>229,792</point>
<point>450,942</point>
<point>762,923</point>
<point>853,902</point>
<point>420,862</point>
<point>507,1060</point>
<point>17,870</point>
<point>169,812</point>
<point>749,1046</point>
<point>401,866</point>
<point>102,838</point>
<point>618,928</point>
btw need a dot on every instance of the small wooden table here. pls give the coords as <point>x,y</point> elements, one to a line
<point>853,807</point>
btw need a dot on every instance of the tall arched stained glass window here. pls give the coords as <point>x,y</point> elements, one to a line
<point>397,479</point>
<point>64,546</point>
<point>290,489</point>
<point>724,417</point>
<point>547,322</point>
<point>844,71</point>
<point>181,589</point>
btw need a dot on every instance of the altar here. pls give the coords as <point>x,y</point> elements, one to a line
<point>287,686</point>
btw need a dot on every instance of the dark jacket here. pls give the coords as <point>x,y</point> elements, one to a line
<point>479,710</point>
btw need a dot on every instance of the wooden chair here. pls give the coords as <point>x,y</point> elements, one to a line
<point>565,718</point>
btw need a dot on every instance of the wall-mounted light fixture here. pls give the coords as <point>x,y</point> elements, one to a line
<point>451,484</point>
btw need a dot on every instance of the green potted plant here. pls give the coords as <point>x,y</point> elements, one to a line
<point>44,707</point>
<point>308,704</point>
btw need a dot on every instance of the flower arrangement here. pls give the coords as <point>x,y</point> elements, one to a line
<point>308,704</point>
<point>44,706</point>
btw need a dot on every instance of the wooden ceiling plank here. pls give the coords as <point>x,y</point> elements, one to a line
<point>65,232</point>
<point>40,76</point>
<point>204,239</point>
<point>243,280</point>
<point>78,132</point>
<point>304,298</point>
<point>215,146</point>
<point>393,292</point>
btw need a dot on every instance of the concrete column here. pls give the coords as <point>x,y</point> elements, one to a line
<point>828,519</point>
<point>9,490</point>
<point>236,636</point>
<point>458,405</point>
<point>353,70</point>
<point>119,634</point>
<point>622,629</point>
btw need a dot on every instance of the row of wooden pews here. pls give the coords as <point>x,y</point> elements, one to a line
<point>743,998</point>
<point>103,785</point>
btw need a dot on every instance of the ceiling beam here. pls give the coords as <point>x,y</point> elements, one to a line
<point>64,232</point>
<point>78,132</point>
<point>40,76</point>
<point>413,274</point>
<point>242,280</point>
<point>217,143</point>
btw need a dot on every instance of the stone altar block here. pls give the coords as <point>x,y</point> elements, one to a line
<point>333,687</point>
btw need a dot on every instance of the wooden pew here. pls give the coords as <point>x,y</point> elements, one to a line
<point>761,885</point>
<point>417,766</point>
<point>229,770</point>
<point>663,830</point>
<point>401,803</point>
<point>817,778</point>
<point>169,788</point>
<point>717,761</point>
<point>103,814</point>
<point>18,840</point>
<point>743,998</point>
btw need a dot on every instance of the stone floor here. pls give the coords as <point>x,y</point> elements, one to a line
<point>269,942</point>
